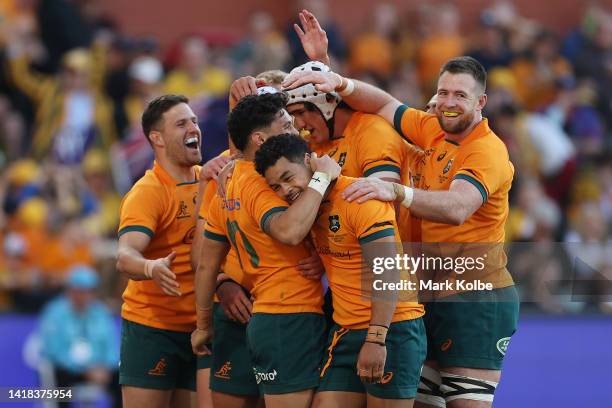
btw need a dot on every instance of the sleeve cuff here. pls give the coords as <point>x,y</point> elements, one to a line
<point>380,168</point>
<point>136,228</point>
<point>268,213</point>
<point>215,237</point>
<point>388,232</point>
<point>476,184</point>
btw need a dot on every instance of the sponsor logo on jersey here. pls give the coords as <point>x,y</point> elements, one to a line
<point>448,166</point>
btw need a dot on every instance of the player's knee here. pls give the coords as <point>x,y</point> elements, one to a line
<point>456,387</point>
<point>428,391</point>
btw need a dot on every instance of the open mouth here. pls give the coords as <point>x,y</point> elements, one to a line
<point>192,143</point>
<point>294,196</point>
<point>450,114</point>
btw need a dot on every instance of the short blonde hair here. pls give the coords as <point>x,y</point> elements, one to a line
<point>274,77</point>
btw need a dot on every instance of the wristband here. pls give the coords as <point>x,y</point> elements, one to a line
<point>408,196</point>
<point>148,268</point>
<point>203,317</point>
<point>377,334</point>
<point>348,89</point>
<point>319,182</point>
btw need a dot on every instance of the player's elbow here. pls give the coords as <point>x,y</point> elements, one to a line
<point>456,217</point>
<point>290,236</point>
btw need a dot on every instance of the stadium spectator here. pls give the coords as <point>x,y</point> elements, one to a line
<point>79,336</point>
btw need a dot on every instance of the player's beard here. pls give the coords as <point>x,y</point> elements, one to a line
<point>183,156</point>
<point>455,126</point>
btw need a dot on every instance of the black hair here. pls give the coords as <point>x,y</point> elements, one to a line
<point>466,65</point>
<point>155,111</point>
<point>291,147</point>
<point>252,113</point>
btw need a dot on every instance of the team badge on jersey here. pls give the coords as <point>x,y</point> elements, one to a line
<point>342,159</point>
<point>183,210</point>
<point>334,223</point>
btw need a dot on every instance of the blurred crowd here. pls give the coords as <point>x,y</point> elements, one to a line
<point>73,87</point>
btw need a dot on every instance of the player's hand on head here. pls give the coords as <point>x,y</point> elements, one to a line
<point>243,86</point>
<point>323,81</point>
<point>371,362</point>
<point>325,164</point>
<point>311,267</point>
<point>312,36</point>
<point>370,188</point>
<point>211,168</point>
<point>235,303</point>
<point>200,339</point>
<point>224,175</point>
<point>163,276</point>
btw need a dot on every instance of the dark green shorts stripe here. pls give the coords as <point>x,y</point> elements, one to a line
<point>138,228</point>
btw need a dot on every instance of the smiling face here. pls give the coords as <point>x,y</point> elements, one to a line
<point>460,102</point>
<point>311,120</point>
<point>288,179</point>
<point>179,134</point>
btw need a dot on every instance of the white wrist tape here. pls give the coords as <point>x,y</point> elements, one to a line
<point>148,269</point>
<point>350,87</point>
<point>408,196</point>
<point>319,182</point>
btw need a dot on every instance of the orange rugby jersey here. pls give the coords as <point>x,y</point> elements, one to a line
<point>370,145</point>
<point>230,266</point>
<point>338,233</point>
<point>481,159</point>
<point>164,210</point>
<point>271,266</point>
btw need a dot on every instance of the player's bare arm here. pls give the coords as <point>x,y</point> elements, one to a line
<point>212,254</point>
<point>452,207</point>
<point>131,262</point>
<point>210,171</point>
<point>359,95</point>
<point>371,361</point>
<point>293,225</point>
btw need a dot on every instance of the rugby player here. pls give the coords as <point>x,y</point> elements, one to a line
<point>463,198</point>
<point>377,345</point>
<point>268,238</point>
<point>157,223</point>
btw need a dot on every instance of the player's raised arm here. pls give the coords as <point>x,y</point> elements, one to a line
<point>359,95</point>
<point>313,37</point>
